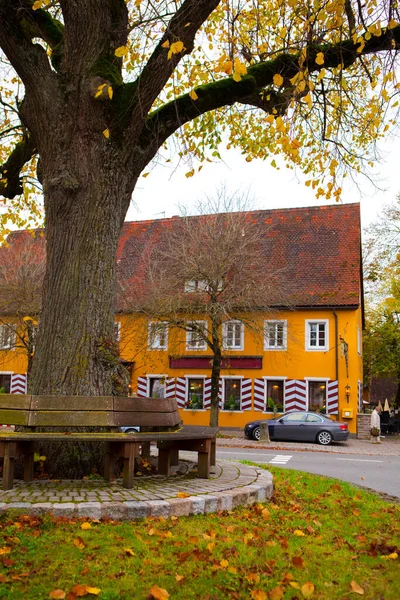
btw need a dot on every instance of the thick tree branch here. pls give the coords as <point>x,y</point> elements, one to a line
<point>183,27</point>
<point>29,60</point>
<point>93,30</point>
<point>165,121</point>
<point>10,182</point>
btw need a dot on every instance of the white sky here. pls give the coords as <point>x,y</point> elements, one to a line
<point>165,188</point>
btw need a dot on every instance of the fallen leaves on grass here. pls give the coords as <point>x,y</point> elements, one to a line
<point>307,589</point>
<point>57,594</point>
<point>357,589</point>
<point>157,593</point>
<point>79,543</point>
<point>298,532</point>
<point>86,525</point>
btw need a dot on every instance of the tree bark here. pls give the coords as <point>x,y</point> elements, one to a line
<point>215,375</point>
<point>76,327</point>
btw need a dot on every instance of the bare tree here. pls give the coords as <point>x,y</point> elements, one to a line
<point>22,267</point>
<point>206,271</point>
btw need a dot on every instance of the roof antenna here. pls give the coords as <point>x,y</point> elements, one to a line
<point>160,213</point>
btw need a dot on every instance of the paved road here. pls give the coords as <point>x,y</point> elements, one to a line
<point>381,473</point>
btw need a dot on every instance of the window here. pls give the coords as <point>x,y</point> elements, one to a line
<point>195,286</point>
<point>233,334</point>
<point>156,386</point>
<point>5,383</point>
<point>313,419</point>
<point>195,394</point>
<point>194,338</point>
<point>232,394</point>
<point>158,336</point>
<point>274,395</point>
<point>275,335</point>
<point>7,338</point>
<point>317,396</point>
<point>359,341</point>
<point>293,418</point>
<point>117,331</point>
<point>317,335</point>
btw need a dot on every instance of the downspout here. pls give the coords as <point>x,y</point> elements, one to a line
<point>336,347</point>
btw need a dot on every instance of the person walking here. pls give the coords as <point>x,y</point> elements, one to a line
<point>376,423</point>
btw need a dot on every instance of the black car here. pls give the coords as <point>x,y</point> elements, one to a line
<point>301,427</point>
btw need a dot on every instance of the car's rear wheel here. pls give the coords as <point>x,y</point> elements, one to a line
<point>256,434</point>
<point>324,438</point>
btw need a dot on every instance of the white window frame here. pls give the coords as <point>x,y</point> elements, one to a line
<point>275,322</point>
<point>224,335</point>
<point>359,341</point>
<point>12,337</point>
<point>10,373</point>
<point>153,341</point>
<point>153,376</point>
<point>308,331</point>
<point>189,333</point>
<point>240,377</point>
<point>194,376</point>
<point>273,378</point>
<point>307,379</point>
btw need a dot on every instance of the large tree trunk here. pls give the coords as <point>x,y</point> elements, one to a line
<point>215,375</point>
<point>74,354</point>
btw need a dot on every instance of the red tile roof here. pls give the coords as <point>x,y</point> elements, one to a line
<point>318,248</point>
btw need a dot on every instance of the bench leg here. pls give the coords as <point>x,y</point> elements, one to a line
<point>203,469</point>
<point>145,449</point>
<point>164,461</point>
<point>213,456</point>
<point>174,456</point>
<point>129,464</point>
<point>8,467</point>
<point>28,463</point>
<point>109,465</point>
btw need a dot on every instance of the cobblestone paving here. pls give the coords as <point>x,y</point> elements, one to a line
<point>230,485</point>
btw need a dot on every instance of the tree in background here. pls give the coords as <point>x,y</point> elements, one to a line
<point>95,88</point>
<point>21,274</point>
<point>208,273</point>
<point>382,276</point>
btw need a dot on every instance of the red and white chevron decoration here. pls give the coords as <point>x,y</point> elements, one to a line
<point>360,388</point>
<point>170,387</point>
<point>207,393</point>
<point>295,395</point>
<point>259,394</point>
<point>18,383</point>
<point>142,387</point>
<point>332,397</point>
<point>246,394</point>
<point>180,392</point>
<point>220,394</point>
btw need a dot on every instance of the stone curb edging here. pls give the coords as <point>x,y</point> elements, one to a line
<point>175,507</point>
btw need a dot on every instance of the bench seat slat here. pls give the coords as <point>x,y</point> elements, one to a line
<point>82,418</point>
<point>71,403</point>
<point>15,417</point>
<point>15,401</point>
<point>124,404</point>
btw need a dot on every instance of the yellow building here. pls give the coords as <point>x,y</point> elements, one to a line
<point>308,357</point>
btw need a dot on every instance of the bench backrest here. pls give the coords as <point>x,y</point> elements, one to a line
<point>88,411</point>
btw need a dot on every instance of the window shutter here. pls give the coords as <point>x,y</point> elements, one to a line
<point>180,392</point>
<point>332,397</point>
<point>295,395</point>
<point>220,400</point>
<point>170,388</point>
<point>207,393</point>
<point>360,396</point>
<point>259,394</point>
<point>246,394</point>
<point>142,387</point>
<point>18,383</point>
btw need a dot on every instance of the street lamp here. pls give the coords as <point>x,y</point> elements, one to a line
<point>347,392</point>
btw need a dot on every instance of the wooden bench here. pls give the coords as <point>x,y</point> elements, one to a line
<point>158,416</point>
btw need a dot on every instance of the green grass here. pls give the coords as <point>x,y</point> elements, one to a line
<point>349,535</point>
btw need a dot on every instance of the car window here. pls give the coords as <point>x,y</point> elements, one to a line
<point>294,418</point>
<point>314,419</point>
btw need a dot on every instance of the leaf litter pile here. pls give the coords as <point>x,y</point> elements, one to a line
<point>317,538</point>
